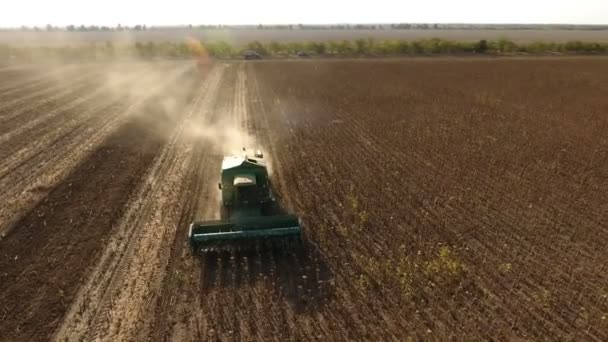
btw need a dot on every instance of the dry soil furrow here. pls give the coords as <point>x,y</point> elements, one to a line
<point>97,86</point>
<point>264,287</point>
<point>24,189</point>
<point>558,325</point>
<point>220,274</point>
<point>38,79</point>
<point>119,294</point>
<point>199,300</point>
<point>240,113</point>
<point>44,86</point>
<point>79,320</point>
<point>314,282</point>
<point>499,227</point>
<point>378,312</point>
<point>178,312</point>
<point>144,278</point>
<point>5,68</point>
<point>71,225</point>
<point>23,93</point>
<point>16,76</point>
<point>57,124</point>
<point>15,112</point>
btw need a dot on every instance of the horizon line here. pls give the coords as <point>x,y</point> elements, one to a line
<point>253,25</point>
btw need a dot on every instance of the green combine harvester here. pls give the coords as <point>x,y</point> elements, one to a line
<point>249,210</point>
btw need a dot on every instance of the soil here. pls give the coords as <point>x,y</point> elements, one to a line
<point>441,199</point>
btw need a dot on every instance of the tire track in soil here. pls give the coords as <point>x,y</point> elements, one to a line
<point>336,314</point>
<point>70,227</point>
<point>216,270</point>
<point>115,302</point>
<point>27,184</point>
<point>307,291</point>
<point>347,294</point>
<point>450,322</point>
<point>176,314</point>
<point>179,314</point>
<point>258,294</point>
<point>557,321</point>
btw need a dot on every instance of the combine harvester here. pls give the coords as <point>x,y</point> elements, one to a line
<point>249,210</point>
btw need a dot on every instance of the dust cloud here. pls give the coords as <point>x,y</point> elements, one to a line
<point>225,136</point>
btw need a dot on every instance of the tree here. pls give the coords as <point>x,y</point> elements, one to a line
<point>319,48</point>
<point>275,48</point>
<point>505,45</point>
<point>221,49</point>
<point>573,46</point>
<point>294,47</point>
<point>538,47</point>
<point>257,47</point>
<point>345,47</point>
<point>150,49</point>
<point>416,47</point>
<point>109,49</point>
<point>481,46</point>
<point>139,48</point>
<point>361,45</point>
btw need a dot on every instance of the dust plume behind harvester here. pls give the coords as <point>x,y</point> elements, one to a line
<point>249,209</point>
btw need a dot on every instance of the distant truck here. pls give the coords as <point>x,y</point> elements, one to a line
<point>302,54</point>
<point>251,54</point>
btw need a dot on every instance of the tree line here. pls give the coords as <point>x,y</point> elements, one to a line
<point>348,48</point>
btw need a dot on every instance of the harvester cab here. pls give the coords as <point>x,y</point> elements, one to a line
<point>249,210</point>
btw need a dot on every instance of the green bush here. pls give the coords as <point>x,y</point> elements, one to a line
<point>257,47</point>
<point>362,46</point>
<point>481,46</point>
<point>221,49</point>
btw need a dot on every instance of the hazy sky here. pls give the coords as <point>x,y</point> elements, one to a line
<point>152,12</point>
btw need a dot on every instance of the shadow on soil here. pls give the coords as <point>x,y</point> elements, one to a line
<point>296,272</point>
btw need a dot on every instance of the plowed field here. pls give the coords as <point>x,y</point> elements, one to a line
<point>441,198</point>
